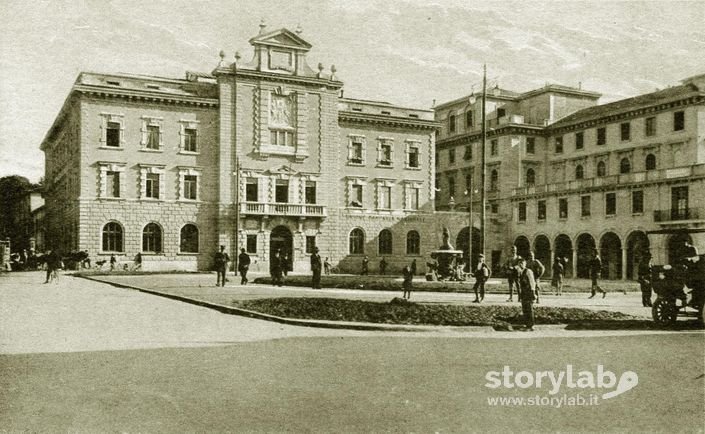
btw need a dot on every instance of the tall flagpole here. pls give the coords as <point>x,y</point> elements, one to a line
<point>482,162</point>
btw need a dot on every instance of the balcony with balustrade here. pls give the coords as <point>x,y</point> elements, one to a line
<point>679,216</point>
<point>282,209</point>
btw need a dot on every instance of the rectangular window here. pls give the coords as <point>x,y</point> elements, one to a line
<point>610,203</point>
<point>385,155</point>
<point>637,201</point>
<point>559,145</point>
<point>190,187</point>
<point>413,156</point>
<point>451,123</point>
<point>356,200</point>
<point>522,211</point>
<point>531,145</point>
<point>494,207</point>
<point>282,137</point>
<point>413,202</point>
<point>679,203</point>
<point>563,208</point>
<point>310,192</point>
<point>112,188</point>
<point>468,153</point>
<point>281,191</point>
<point>153,137</point>
<point>541,210</point>
<point>190,140</point>
<point>251,190</point>
<point>385,197</point>
<point>451,186</point>
<point>601,136</point>
<point>585,206</point>
<point>310,244</point>
<point>501,112</point>
<point>678,121</point>
<point>356,157</point>
<point>152,186</point>
<point>579,140</point>
<point>251,243</point>
<point>625,131</point>
<point>468,119</point>
<point>493,147</point>
<point>468,183</point>
<point>650,127</point>
<point>112,135</point>
<point>451,156</point>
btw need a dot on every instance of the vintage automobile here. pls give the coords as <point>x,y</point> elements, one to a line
<point>680,290</point>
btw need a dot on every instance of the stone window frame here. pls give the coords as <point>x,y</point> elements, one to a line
<point>151,121</point>
<point>357,138</point>
<point>108,166</point>
<point>613,196</point>
<point>264,127</point>
<point>189,171</point>
<point>146,169</point>
<point>409,145</point>
<point>351,181</point>
<point>121,233</point>
<point>181,239</point>
<point>189,125</point>
<point>385,242</point>
<point>522,212</point>
<point>384,183</point>
<point>409,187</point>
<point>111,117</point>
<point>413,243</point>
<point>385,141</point>
<point>359,241</point>
<point>160,245</point>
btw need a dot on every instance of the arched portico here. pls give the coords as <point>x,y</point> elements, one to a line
<point>585,246</point>
<point>611,254</point>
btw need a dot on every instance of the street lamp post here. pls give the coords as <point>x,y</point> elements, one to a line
<point>482,162</point>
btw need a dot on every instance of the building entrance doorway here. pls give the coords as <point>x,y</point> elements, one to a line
<point>281,240</point>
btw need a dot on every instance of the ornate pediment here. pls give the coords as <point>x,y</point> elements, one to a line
<point>281,170</point>
<point>281,38</point>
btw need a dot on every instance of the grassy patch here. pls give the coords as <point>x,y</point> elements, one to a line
<point>399,311</point>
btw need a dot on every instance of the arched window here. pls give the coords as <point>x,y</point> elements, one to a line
<point>650,162</point>
<point>112,237</point>
<point>385,242</point>
<point>625,166</point>
<point>579,172</point>
<point>357,242</point>
<point>494,177</point>
<point>601,169</point>
<point>530,177</point>
<point>152,238</point>
<point>189,239</point>
<point>413,243</point>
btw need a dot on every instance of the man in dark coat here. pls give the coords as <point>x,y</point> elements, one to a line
<point>220,264</point>
<point>527,291</point>
<point>316,266</point>
<point>511,271</point>
<point>53,264</point>
<point>365,266</point>
<point>595,271</point>
<point>645,280</point>
<point>275,269</point>
<point>482,275</point>
<point>538,269</point>
<point>243,265</point>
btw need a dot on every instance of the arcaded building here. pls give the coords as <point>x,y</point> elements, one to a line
<point>566,175</point>
<point>264,155</point>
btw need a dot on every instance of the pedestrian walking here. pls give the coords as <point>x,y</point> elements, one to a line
<point>527,288</point>
<point>595,270</point>
<point>53,262</point>
<point>557,278</point>
<point>644,273</point>
<point>382,266</point>
<point>407,283</point>
<point>113,262</point>
<point>538,269</point>
<point>285,262</point>
<point>275,269</point>
<point>138,261</point>
<point>365,266</point>
<point>482,274</point>
<point>220,263</point>
<point>243,265</point>
<point>316,269</point>
<point>413,267</point>
<point>326,266</point>
<point>510,268</point>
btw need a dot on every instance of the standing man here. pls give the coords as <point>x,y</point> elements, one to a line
<point>538,269</point>
<point>243,264</point>
<point>316,269</point>
<point>221,264</point>
<point>365,266</point>
<point>511,269</point>
<point>113,261</point>
<point>52,261</point>
<point>326,266</point>
<point>482,274</point>
<point>645,280</point>
<point>527,288</point>
<point>558,271</point>
<point>382,266</point>
<point>138,262</point>
<point>407,282</point>
<point>595,270</point>
<point>413,267</point>
<point>275,269</point>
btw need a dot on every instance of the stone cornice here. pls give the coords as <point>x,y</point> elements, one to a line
<point>355,117</point>
<point>283,78</point>
<point>145,96</point>
<point>464,139</point>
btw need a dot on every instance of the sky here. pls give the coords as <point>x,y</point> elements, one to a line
<point>408,52</point>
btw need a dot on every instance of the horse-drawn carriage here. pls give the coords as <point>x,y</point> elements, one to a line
<point>680,290</point>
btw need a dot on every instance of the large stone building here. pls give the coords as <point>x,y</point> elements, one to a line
<point>565,175</point>
<point>265,155</point>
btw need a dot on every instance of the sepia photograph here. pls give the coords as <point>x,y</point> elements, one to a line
<point>407,216</point>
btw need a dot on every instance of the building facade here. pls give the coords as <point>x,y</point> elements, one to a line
<point>263,155</point>
<point>566,176</point>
